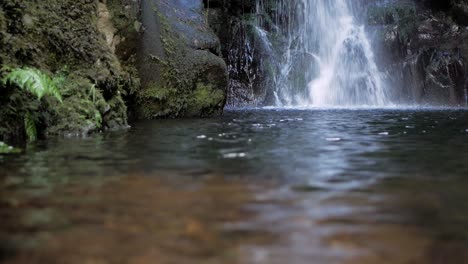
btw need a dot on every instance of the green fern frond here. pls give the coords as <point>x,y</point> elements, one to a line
<point>30,127</point>
<point>6,149</point>
<point>33,81</point>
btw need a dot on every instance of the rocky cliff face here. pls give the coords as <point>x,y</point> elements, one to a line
<point>250,59</point>
<point>424,49</point>
<point>421,45</point>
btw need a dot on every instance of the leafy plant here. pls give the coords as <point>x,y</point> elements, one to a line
<point>30,127</point>
<point>5,149</point>
<point>35,82</point>
<point>92,92</point>
<point>38,84</point>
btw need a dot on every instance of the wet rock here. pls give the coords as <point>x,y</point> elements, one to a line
<point>182,74</point>
<point>249,57</point>
<point>428,52</point>
<point>460,13</point>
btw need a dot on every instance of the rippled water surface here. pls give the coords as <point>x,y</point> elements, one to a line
<point>253,186</point>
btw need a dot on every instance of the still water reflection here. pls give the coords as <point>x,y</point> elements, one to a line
<point>253,186</point>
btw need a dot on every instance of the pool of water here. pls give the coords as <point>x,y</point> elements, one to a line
<point>252,186</point>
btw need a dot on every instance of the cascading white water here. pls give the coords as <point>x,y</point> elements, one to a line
<point>336,62</point>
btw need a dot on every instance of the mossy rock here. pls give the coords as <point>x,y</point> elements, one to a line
<point>63,37</point>
<point>181,65</point>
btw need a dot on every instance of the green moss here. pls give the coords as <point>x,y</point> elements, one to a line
<point>166,98</point>
<point>204,99</point>
<point>176,90</point>
<point>80,112</point>
<point>160,101</point>
<point>63,37</point>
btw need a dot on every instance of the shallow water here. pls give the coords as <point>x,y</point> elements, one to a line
<point>253,186</point>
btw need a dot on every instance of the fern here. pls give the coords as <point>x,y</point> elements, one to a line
<point>30,127</point>
<point>6,149</point>
<point>35,82</point>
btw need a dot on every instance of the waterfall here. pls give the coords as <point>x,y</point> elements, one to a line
<point>327,57</point>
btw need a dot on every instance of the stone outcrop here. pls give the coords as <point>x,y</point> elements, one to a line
<point>182,72</point>
<point>249,57</point>
<point>425,46</point>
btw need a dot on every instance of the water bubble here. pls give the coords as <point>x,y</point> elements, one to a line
<point>409,126</point>
<point>201,137</point>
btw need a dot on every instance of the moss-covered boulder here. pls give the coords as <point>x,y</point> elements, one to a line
<point>74,39</point>
<point>182,74</point>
